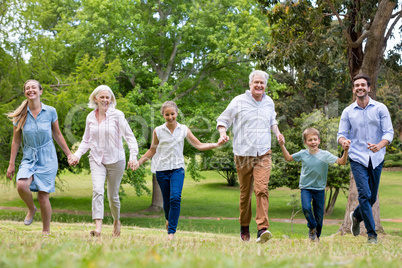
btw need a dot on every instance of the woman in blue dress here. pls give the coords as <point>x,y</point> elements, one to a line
<point>35,123</point>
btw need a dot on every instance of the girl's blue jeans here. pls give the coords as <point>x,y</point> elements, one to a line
<point>171,184</point>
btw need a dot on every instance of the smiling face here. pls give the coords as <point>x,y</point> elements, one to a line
<point>103,100</point>
<point>32,90</point>
<point>257,87</point>
<point>361,88</point>
<point>312,141</point>
<point>170,115</point>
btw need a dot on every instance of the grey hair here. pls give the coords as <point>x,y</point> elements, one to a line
<point>263,74</point>
<point>95,93</point>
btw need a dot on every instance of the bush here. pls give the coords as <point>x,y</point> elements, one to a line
<point>393,160</point>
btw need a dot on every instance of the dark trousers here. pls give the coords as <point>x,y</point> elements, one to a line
<point>313,202</point>
<point>367,182</point>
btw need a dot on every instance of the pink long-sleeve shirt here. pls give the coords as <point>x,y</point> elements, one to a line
<point>105,139</point>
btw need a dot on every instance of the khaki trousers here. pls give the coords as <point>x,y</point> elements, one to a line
<point>254,170</point>
<point>113,173</point>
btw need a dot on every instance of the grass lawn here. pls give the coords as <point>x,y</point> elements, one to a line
<point>70,246</point>
<point>208,232</point>
<point>210,198</point>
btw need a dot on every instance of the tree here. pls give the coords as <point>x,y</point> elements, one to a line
<point>167,49</point>
<point>363,28</point>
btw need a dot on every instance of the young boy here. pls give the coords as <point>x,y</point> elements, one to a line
<point>313,178</point>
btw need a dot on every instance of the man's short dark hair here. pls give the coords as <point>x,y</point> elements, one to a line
<point>364,76</point>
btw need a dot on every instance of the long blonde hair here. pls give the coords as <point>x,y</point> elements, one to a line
<point>19,115</point>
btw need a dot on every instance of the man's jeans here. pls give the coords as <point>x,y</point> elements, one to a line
<point>367,183</point>
<point>171,184</point>
<point>313,216</point>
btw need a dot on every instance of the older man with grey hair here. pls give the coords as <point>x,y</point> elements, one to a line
<point>253,116</point>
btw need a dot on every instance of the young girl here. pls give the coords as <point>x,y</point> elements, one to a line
<point>168,161</point>
<point>35,123</point>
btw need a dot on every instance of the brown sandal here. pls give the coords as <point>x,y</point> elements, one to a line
<point>95,233</point>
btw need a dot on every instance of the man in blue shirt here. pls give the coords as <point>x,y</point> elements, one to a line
<point>367,123</point>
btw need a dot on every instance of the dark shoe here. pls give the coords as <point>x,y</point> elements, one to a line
<point>244,233</point>
<point>312,234</point>
<point>263,236</point>
<point>29,221</point>
<point>355,227</point>
<point>372,240</point>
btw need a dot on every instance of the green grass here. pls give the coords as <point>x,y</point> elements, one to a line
<point>207,198</point>
<point>209,240</point>
<point>70,246</point>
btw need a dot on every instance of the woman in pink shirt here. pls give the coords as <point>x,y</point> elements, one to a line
<point>104,129</point>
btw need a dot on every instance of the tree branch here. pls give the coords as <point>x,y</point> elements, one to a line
<point>391,28</point>
<point>345,33</point>
<point>361,39</point>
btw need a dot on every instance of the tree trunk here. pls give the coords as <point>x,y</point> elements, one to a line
<point>331,202</point>
<point>376,42</point>
<point>352,203</point>
<point>157,200</point>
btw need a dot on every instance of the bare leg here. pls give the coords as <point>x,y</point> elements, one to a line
<point>46,211</point>
<point>170,236</point>
<point>26,195</point>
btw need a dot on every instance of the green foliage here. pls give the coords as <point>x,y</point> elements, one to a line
<point>223,162</point>
<point>300,35</point>
<point>393,160</point>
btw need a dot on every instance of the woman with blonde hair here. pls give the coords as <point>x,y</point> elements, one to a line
<point>104,129</point>
<point>35,123</point>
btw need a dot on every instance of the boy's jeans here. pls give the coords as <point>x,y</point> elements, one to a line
<point>313,216</point>
<point>171,184</point>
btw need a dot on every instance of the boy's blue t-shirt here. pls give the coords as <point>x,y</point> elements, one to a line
<point>314,170</point>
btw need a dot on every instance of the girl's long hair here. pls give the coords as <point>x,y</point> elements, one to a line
<point>19,115</point>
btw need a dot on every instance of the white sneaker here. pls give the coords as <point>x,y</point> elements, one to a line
<point>263,236</point>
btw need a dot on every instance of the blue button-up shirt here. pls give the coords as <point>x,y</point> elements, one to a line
<point>252,122</point>
<point>366,125</point>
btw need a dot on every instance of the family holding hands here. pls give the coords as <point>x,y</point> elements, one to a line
<point>365,129</point>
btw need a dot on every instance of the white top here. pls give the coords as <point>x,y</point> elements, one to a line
<point>252,121</point>
<point>169,153</point>
<point>105,139</point>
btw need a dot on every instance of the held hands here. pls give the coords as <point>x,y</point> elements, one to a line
<point>133,165</point>
<point>281,139</point>
<point>223,139</point>
<point>73,160</point>
<point>346,144</point>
